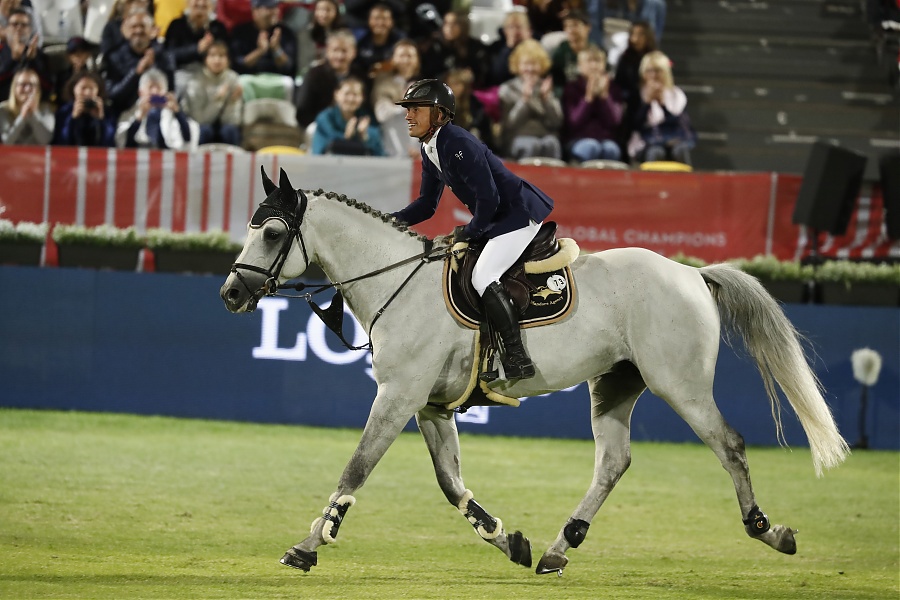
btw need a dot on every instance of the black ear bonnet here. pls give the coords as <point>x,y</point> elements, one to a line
<point>282,202</point>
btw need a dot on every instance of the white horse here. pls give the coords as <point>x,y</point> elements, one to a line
<point>640,322</point>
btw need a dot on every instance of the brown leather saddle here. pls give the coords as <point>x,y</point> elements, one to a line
<point>520,288</point>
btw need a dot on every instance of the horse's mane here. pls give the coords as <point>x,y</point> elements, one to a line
<point>374,212</point>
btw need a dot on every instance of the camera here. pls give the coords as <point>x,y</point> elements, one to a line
<point>157,100</point>
<point>90,104</point>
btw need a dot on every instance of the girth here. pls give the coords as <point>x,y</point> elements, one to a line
<point>544,245</point>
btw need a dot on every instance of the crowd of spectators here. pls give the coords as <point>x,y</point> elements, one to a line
<point>179,73</point>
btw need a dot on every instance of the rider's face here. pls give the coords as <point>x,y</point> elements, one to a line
<point>418,118</point>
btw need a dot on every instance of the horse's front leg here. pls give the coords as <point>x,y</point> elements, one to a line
<point>386,420</point>
<point>438,428</point>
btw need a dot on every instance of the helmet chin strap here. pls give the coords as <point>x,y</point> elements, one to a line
<point>435,124</point>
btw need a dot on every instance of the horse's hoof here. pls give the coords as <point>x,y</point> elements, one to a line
<point>300,559</point>
<point>785,542</point>
<point>552,563</point>
<point>519,549</point>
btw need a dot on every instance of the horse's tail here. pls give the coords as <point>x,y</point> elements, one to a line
<point>771,339</point>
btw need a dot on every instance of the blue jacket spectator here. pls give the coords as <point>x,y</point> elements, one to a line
<point>83,120</point>
<point>345,128</point>
<point>264,45</point>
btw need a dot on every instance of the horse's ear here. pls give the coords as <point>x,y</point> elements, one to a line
<point>287,190</point>
<point>268,186</point>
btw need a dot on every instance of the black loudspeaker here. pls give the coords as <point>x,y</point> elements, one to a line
<point>889,165</point>
<point>830,186</point>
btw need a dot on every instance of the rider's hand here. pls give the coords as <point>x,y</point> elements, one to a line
<point>460,234</point>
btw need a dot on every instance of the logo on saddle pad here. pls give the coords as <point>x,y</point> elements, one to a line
<point>545,298</point>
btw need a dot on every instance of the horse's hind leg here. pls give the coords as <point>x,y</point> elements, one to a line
<point>702,414</point>
<point>438,428</point>
<point>613,396</point>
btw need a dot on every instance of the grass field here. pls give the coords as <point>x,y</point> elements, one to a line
<point>114,506</point>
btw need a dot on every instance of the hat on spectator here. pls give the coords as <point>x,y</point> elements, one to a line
<point>79,44</point>
<point>265,3</point>
<point>578,15</point>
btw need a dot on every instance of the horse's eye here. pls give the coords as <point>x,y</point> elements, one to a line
<point>271,235</point>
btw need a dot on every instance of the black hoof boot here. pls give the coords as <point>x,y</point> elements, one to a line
<point>300,559</point>
<point>519,549</point>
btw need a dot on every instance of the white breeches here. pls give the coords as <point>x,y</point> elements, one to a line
<point>499,254</point>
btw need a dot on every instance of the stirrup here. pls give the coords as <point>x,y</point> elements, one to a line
<point>518,372</point>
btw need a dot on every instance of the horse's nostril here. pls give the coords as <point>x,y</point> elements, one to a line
<point>233,294</point>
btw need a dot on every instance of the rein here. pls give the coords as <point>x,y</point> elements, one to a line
<point>333,316</point>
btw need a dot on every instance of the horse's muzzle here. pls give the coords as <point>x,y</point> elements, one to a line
<point>237,298</point>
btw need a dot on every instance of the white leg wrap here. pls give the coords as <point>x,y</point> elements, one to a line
<point>463,508</point>
<point>331,513</point>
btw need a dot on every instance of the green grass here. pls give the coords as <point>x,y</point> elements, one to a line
<point>115,506</point>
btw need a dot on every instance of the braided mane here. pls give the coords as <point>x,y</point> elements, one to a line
<point>375,213</point>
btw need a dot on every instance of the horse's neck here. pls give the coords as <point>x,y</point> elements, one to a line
<point>349,243</point>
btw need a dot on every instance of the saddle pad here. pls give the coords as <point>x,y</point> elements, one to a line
<point>553,298</point>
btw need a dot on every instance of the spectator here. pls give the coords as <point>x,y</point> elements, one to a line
<point>650,11</point>
<point>547,16</point>
<point>641,41</point>
<point>592,112</point>
<point>190,36</point>
<point>156,121</point>
<point>358,12</point>
<point>531,112</point>
<point>264,45</point>
<point>20,47</point>
<point>344,128</point>
<point>565,58</point>
<point>83,120</point>
<point>23,118</point>
<point>213,98</point>
<point>129,61</point>
<point>453,48</point>
<point>376,43</point>
<point>628,78</point>
<point>79,57</point>
<point>311,40</point>
<point>57,21</point>
<point>113,36</point>
<point>662,128</point>
<point>470,113</point>
<point>167,11</point>
<point>390,85</point>
<point>321,81</point>
<point>232,13</point>
<point>423,17</point>
<point>516,29</point>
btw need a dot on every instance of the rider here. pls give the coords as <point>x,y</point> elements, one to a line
<point>507,210</point>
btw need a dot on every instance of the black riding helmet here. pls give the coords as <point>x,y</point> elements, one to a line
<point>430,92</point>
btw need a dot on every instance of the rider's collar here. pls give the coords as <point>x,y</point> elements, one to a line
<point>432,143</point>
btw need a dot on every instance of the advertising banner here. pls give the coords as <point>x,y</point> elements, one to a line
<point>162,344</point>
<point>710,216</point>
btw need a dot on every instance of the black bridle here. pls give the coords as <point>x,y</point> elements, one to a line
<point>334,314</point>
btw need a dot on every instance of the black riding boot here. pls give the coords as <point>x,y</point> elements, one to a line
<point>499,309</point>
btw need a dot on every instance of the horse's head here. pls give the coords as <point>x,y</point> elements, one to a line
<point>274,251</point>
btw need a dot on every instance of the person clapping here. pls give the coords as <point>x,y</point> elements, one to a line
<point>23,118</point>
<point>344,128</point>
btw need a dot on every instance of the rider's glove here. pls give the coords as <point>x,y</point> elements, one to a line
<point>460,234</point>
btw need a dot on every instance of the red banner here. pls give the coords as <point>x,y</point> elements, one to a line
<point>710,215</point>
